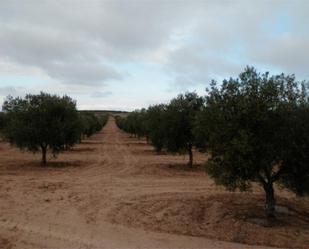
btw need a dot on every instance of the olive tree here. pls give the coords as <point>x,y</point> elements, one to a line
<point>180,115</point>
<point>41,122</point>
<point>167,126</point>
<point>256,129</point>
<point>2,121</point>
<point>134,123</point>
<point>91,123</point>
<point>295,149</point>
<point>156,126</point>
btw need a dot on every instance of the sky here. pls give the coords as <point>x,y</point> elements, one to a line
<point>128,54</point>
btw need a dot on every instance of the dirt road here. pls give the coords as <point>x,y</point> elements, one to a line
<point>111,191</point>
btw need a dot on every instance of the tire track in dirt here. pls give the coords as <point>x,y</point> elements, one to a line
<point>75,214</point>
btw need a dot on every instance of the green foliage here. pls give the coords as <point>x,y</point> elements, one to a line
<point>2,121</point>
<point>255,129</point>
<point>180,116</point>
<point>103,119</point>
<point>120,122</point>
<point>41,122</point>
<point>91,123</point>
<point>134,123</point>
<point>166,126</point>
<point>295,150</point>
<point>155,123</point>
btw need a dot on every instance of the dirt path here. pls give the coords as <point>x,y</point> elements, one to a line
<point>80,200</point>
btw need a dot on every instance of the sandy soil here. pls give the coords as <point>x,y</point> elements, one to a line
<point>114,191</point>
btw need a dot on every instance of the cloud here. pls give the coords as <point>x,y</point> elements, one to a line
<point>83,73</point>
<point>233,35</point>
<point>88,46</point>
<point>99,94</point>
<point>79,36</point>
<point>60,57</point>
<point>287,52</point>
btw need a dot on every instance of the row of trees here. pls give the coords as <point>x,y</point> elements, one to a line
<point>255,129</point>
<point>46,122</point>
<point>169,126</point>
<point>91,123</point>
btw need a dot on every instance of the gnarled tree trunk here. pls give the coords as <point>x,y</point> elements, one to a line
<point>190,163</point>
<point>270,202</point>
<point>44,152</point>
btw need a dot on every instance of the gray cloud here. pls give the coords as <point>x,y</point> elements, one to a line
<point>230,36</point>
<point>288,52</point>
<point>72,41</point>
<point>83,73</point>
<point>72,61</point>
<point>83,42</point>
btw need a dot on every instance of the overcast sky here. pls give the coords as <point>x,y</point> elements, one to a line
<point>127,54</point>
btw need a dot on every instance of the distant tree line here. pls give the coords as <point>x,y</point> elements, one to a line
<point>45,123</point>
<point>167,126</point>
<point>255,128</point>
<point>91,123</point>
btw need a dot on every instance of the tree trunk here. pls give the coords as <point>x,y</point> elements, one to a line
<point>44,151</point>
<point>190,163</point>
<point>270,203</point>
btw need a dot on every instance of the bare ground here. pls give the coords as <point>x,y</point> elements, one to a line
<point>114,191</point>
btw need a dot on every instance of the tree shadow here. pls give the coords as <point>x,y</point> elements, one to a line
<point>79,150</point>
<point>37,166</point>
<point>90,142</point>
<point>197,167</point>
<point>62,164</point>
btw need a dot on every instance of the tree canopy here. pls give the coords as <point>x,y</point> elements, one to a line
<point>179,118</point>
<point>41,122</point>
<point>155,123</point>
<point>2,121</point>
<point>167,126</point>
<point>91,123</point>
<point>256,130</point>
